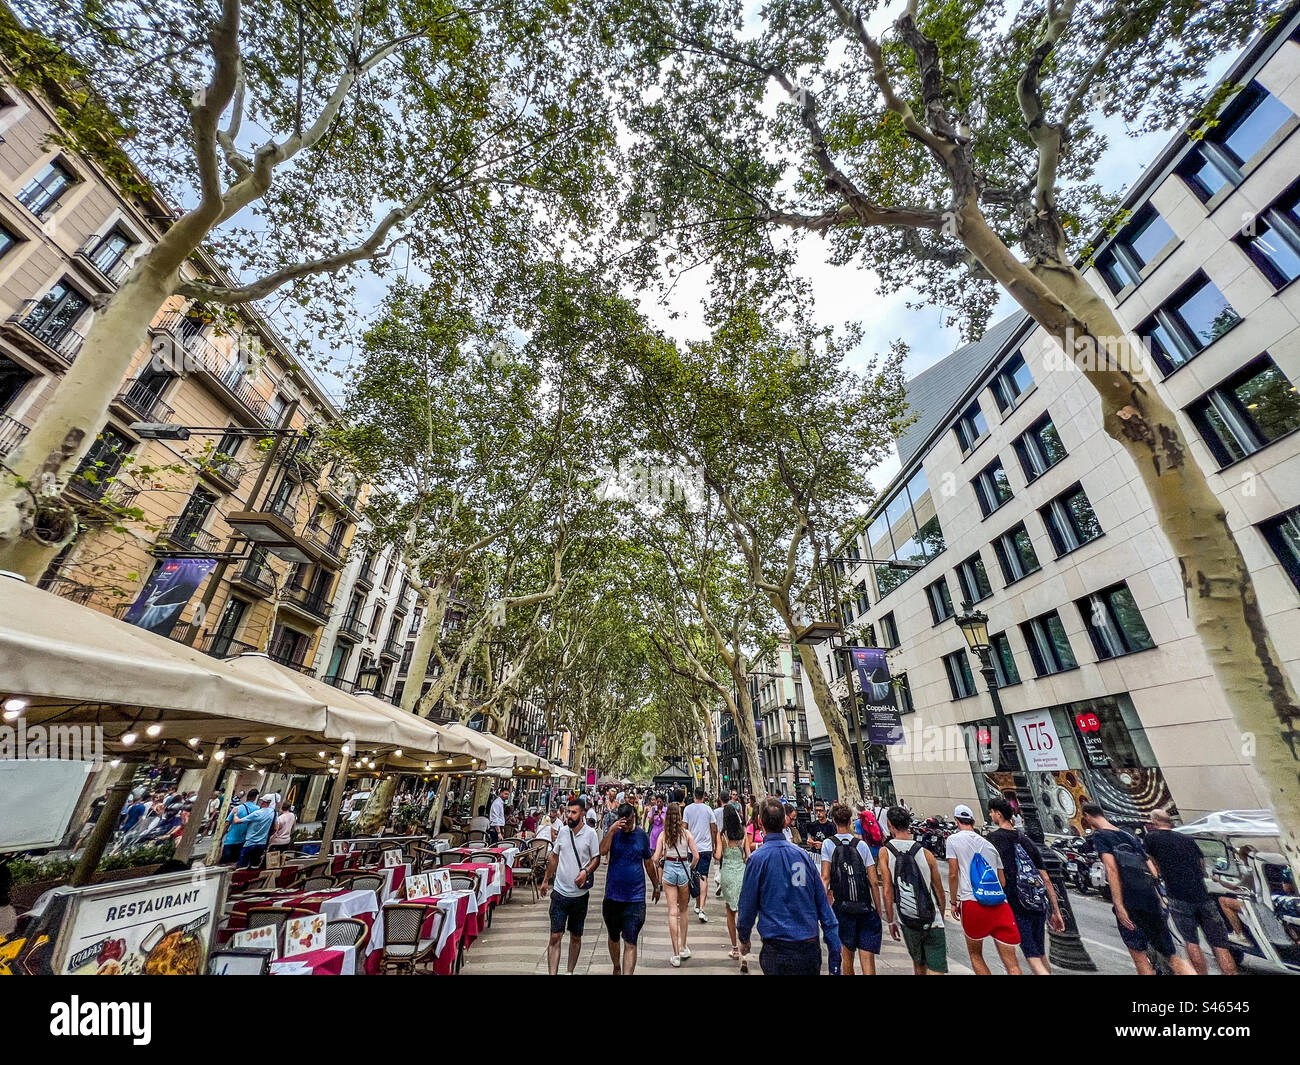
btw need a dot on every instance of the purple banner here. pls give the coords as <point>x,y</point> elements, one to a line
<point>884,723</point>
<point>166,592</point>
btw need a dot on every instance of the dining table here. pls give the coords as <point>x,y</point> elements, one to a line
<point>495,875</point>
<point>461,927</point>
<point>325,961</point>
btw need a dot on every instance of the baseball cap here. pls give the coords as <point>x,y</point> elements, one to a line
<point>963,812</point>
<point>265,798</point>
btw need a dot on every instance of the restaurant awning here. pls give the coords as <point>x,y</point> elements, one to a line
<point>505,755</point>
<point>150,698</point>
<point>562,773</point>
<point>453,747</point>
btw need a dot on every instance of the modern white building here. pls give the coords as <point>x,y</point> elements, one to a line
<point>1011,496</point>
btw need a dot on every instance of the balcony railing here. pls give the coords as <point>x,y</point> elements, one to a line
<point>183,533</point>
<point>222,368</point>
<point>366,576</point>
<point>352,629</point>
<point>255,576</point>
<point>312,602</point>
<point>104,491</point>
<point>50,342</point>
<point>330,543</point>
<point>111,268</point>
<point>68,589</point>
<point>12,433</point>
<point>285,658</point>
<point>392,649</point>
<point>230,471</point>
<point>145,402</point>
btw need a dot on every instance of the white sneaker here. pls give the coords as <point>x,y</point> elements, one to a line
<point>686,953</point>
<point>704,918</point>
<point>675,962</point>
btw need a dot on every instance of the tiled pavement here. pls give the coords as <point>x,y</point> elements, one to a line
<point>516,942</point>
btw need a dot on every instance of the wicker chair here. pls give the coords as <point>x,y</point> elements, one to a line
<point>513,841</point>
<point>530,866</point>
<point>346,932</point>
<point>268,916</point>
<point>424,859</point>
<point>483,856</point>
<point>475,835</point>
<point>464,882</point>
<point>322,882</point>
<point>367,882</point>
<point>449,858</point>
<point>404,947</point>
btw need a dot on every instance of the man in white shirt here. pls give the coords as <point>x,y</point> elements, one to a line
<point>479,823</point>
<point>497,817</point>
<point>980,920</point>
<point>704,828</point>
<point>718,813</point>
<point>574,858</point>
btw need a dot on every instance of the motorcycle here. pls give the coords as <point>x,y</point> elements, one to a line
<point>1075,861</point>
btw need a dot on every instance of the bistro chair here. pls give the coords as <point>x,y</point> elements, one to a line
<point>423,859</point>
<point>483,856</point>
<point>366,882</point>
<point>323,882</point>
<point>345,932</point>
<point>404,946</point>
<point>455,839</point>
<point>464,882</point>
<point>264,916</point>
<point>235,961</point>
<point>450,858</point>
<point>475,835</point>
<point>530,866</point>
<point>513,841</point>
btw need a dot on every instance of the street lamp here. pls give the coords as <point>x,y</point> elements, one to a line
<point>792,718</point>
<point>368,679</point>
<point>1067,949</point>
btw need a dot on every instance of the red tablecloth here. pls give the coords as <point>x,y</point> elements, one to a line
<point>464,930</point>
<point>328,961</point>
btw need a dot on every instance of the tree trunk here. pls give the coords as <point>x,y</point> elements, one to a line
<point>837,730</point>
<point>377,808</point>
<point>743,715</point>
<point>1219,592</point>
<point>34,523</point>
<point>423,650</point>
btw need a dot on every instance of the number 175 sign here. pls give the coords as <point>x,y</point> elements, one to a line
<point>1038,739</point>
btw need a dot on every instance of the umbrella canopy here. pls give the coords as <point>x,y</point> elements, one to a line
<point>452,747</point>
<point>148,696</point>
<point>562,773</point>
<point>505,755</point>
<point>376,731</point>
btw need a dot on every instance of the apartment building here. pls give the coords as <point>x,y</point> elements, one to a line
<point>776,693</point>
<point>229,537</point>
<point>1011,497</point>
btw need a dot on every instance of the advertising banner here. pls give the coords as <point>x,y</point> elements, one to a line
<point>1039,741</point>
<point>166,592</point>
<point>884,723</point>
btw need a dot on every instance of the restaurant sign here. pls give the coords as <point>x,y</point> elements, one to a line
<point>151,926</point>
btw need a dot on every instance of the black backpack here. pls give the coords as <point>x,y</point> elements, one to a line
<point>1140,891</point>
<point>849,883</point>
<point>912,895</point>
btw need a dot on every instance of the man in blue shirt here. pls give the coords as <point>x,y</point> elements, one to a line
<point>626,847</point>
<point>783,891</point>
<point>233,844</point>
<point>257,829</point>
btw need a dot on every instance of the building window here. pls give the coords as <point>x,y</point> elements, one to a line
<point>45,190</point>
<point>889,631</point>
<point>8,240</point>
<point>860,593</point>
<point>1139,244</point>
<point>992,487</point>
<point>1049,647</point>
<point>960,681</point>
<point>53,318</point>
<point>1039,448</point>
<point>1187,323</point>
<point>1114,622</point>
<point>1011,382</point>
<point>974,579</point>
<point>904,690</point>
<point>971,427</point>
<point>1242,131</point>
<point>1272,239</point>
<point>905,529</point>
<point>1283,536</point>
<point>1070,521</point>
<point>1004,662</point>
<point>940,600</point>
<point>1246,412</point>
<point>1016,554</point>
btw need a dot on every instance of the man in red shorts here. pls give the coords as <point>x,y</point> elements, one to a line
<point>980,919</point>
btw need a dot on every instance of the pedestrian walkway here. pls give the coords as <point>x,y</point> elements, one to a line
<point>516,942</point>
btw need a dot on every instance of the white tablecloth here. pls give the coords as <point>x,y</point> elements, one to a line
<point>439,845</point>
<point>447,903</point>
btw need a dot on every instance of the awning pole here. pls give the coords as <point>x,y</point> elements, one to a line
<point>198,809</point>
<point>114,800</point>
<point>336,801</point>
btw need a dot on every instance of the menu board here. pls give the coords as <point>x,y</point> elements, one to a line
<point>302,934</point>
<point>417,886</point>
<point>393,857</point>
<point>152,926</point>
<point>439,881</point>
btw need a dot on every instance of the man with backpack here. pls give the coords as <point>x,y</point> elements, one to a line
<point>849,874</point>
<point>979,900</point>
<point>1139,910</point>
<point>912,891</point>
<point>1029,889</point>
<point>869,829</point>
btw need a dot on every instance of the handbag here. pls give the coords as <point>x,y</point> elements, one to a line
<point>692,874</point>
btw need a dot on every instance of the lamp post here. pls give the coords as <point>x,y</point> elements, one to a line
<point>792,718</point>
<point>368,679</point>
<point>1066,949</point>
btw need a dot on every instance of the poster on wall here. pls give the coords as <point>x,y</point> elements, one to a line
<point>166,592</point>
<point>1039,743</point>
<point>153,926</point>
<point>884,722</point>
